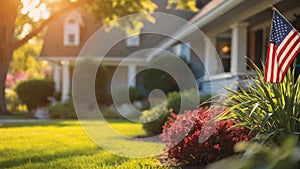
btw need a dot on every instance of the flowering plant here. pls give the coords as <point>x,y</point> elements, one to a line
<point>207,141</point>
<point>12,79</point>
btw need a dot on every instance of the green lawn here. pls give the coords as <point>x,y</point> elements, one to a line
<point>64,144</point>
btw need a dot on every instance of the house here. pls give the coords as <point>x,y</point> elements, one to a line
<point>236,28</point>
<point>65,38</point>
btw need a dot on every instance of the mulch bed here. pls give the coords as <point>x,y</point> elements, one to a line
<point>173,163</point>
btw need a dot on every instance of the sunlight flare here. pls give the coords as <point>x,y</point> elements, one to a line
<point>35,9</point>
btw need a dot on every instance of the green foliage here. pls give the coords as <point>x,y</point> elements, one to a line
<point>63,110</point>
<point>123,92</point>
<point>25,59</point>
<point>34,93</point>
<point>66,110</point>
<point>108,11</point>
<point>174,100</point>
<point>163,80</point>
<point>154,119</point>
<point>257,156</point>
<point>13,103</point>
<point>183,5</point>
<point>267,108</point>
<point>135,94</point>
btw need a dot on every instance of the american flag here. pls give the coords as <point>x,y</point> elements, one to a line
<point>283,46</point>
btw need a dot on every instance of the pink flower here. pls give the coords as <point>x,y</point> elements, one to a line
<point>217,146</point>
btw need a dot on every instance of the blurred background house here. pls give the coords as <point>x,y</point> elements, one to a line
<point>65,38</point>
<point>236,29</point>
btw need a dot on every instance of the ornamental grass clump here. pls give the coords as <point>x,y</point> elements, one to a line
<point>269,110</point>
<point>206,141</point>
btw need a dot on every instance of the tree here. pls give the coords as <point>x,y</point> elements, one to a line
<point>25,61</point>
<point>12,21</point>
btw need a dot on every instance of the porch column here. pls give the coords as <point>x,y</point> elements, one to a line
<point>65,80</point>
<point>239,48</point>
<point>56,76</point>
<point>210,57</point>
<point>131,75</point>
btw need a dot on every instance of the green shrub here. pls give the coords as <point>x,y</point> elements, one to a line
<point>154,119</point>
<point>135,94</point>
<point>270,109</point>
<point>122,92</point>
<point>158,79</point>
<point>63,110</point>
<point>34,93</point>
<point>174,100</point>
<point>66,110</point>
<point>153,126</point>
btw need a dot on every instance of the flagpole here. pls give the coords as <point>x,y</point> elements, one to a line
<point>273,8</point>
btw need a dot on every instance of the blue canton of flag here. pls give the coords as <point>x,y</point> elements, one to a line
<point>283,46</point>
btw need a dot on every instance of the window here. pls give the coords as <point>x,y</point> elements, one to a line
<point>224,51</point>
<point>133,41</point>
<point>71,38</point>
<point>71,32</point>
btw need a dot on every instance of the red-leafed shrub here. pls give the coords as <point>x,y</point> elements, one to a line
<point>205,140</point>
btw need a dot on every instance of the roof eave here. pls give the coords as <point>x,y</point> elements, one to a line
<point>199,22</point>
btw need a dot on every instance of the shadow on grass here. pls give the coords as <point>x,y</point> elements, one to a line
<point>17,162</point>
<point>58,123</point>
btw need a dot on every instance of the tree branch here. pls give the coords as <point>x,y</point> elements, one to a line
<point>52,18</point>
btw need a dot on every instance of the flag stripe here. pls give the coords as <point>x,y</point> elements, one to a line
<point>275,65</point>
<point>283,46</point>
<point>268,63</point>
<point>288,63</point>
<point>269,70</point>
<point>291,47</point>
<point>292,53</point>
<point>272,60</point>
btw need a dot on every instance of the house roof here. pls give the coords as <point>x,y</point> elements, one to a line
<point>219,15</point>
<point>53,41</point>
